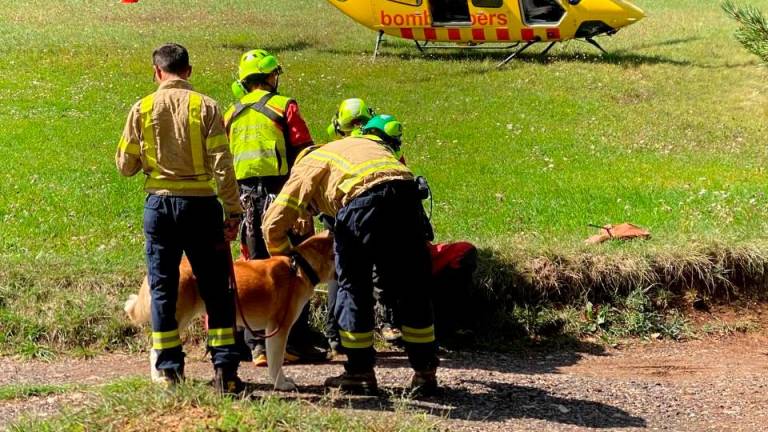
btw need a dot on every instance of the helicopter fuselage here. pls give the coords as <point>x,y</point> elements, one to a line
<point>480,21</point>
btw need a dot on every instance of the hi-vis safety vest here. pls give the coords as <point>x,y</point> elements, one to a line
<point>257,135</point>
<point>200,181</point>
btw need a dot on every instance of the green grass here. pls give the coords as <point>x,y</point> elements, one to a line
<point>23,391</point>
<point>666,131</point>
<point>136,405</point>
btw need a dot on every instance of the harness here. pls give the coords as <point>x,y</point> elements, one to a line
<point>260,106</point>
<point>299,262</point>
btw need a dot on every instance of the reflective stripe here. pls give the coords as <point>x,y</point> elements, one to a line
<point>220,337</point>
<point>148,132</point>
<point>195,121</point>
<point>255,154</point>
<point>281,248</point>
<point>165,340</point>
<point>201,186</point>
<point>129,148</point>
<point>289,201</point>
<point>368,168</point>
<point>356,340</point>
<point>418,335</point>
<point>258,135</point>
<point>336,160</point>
<point>216,141</point>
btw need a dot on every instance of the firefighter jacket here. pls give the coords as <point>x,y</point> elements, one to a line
<point>327,179</point>
<point>176,137</point>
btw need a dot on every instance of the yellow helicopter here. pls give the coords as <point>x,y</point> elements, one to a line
<point>475,22</point>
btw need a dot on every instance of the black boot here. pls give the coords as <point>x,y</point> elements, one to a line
<point>170,378</point>
<point>424,383</point>
<point>363,383</point>
<point>226,382</point>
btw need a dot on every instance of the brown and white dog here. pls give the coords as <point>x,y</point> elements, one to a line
<point>272,293</point>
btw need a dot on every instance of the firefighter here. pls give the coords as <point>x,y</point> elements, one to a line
<point>379,222</point>
<point>349,119</point>
<point>266,132</point>
<point>176,137</point>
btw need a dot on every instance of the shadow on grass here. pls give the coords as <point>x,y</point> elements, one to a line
<point>290,46</point>
<point>491,401</point>
<point>626,57</point>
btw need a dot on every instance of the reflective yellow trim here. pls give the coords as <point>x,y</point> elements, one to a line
<point>356,340</point>
<point>216,141</point>
<point>281,248</point>
<point>289,201</point>
<point>148,132</point>
<point>221,337</point>
<point>368,169</point>
<point>128,147</point>
<point>165,333</point>
<point>418,335</point>
<point>202,186</point>
<point>165,340</point>
<point>334,159</point>
<point>419,331</point>
<point>196,133</point>
<point>220,332</point>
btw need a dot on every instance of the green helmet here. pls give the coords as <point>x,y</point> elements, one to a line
<point>352,113</point>
<point>385,127</point>
<point>257,61</point>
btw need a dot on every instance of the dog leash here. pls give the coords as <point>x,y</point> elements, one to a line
<point>233,287</point>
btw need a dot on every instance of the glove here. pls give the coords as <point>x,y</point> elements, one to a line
<point>232,227</point>
<point>304,227</point>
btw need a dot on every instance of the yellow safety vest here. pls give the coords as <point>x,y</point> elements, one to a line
<point>257,135</point>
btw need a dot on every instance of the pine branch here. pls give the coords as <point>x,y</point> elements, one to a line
<point>753,28</point>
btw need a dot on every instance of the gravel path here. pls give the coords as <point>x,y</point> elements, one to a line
<point>699,385</point>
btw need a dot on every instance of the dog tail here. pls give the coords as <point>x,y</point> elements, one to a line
<point>137,312</point>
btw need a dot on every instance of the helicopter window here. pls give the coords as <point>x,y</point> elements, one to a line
<point>488,3</point>
<point>408,2</point>
<point>453,12</point>
<point>542,11</point>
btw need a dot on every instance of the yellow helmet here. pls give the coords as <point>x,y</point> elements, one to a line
<point>257,61</point>
<point>351,116</point>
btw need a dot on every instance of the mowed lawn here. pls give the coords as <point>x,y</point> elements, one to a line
<point>666,131</point>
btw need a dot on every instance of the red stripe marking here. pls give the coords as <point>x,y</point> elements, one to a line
<point>454,34</point>
<point>526,34</point>
<point>406,33</point>
<point>553,33</point>
<point>478,34</point>
<point>430,34</point>
<point>502,34</point>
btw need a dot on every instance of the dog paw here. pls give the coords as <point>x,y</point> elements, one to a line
<point>287,385</point>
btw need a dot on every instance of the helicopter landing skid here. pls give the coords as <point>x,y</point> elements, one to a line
<point>516,53</point>
<point>379,38</point>
<point>595,44</point>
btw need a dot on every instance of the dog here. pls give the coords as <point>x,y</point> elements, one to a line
<point>271,294</point>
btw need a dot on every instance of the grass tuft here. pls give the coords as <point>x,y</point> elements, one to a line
<point>136,405</point>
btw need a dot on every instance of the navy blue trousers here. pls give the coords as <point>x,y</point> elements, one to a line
<point>384,227</point>
<point>194,226</point>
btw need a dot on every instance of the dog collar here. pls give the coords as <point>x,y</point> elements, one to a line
<point>299,262</point>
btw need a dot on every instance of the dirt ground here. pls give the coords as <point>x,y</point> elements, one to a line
<point>710,384</point>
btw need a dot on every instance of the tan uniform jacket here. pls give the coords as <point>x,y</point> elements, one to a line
<point>176,137</point>
<point>326,180</point>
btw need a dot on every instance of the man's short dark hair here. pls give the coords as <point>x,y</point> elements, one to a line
<point>254,80</point>
<point>172,58</point>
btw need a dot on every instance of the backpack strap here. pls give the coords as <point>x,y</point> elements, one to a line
<point>259,106</point>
